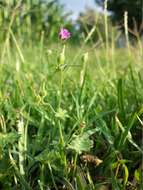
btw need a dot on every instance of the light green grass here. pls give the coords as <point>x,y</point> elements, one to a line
<point>51,118</point>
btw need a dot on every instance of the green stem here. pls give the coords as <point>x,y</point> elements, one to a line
<point>53,180</point>
<point>61,87</point>
<point>75,161</point>
<point>42,177</point>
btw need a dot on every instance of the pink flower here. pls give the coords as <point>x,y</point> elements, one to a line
<point>64,34</point>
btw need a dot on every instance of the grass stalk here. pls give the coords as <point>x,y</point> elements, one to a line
<point>53,180</point>
<point>21,132</point>
<point>126,31</point>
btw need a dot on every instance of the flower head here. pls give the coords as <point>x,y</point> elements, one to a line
<point>64,34</point>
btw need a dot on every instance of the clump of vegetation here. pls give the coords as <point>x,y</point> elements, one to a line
<point>71,117</point>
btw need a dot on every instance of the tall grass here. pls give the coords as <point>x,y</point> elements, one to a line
<point>55,131</point>
<point>28,19</point>
<point>69,117</point>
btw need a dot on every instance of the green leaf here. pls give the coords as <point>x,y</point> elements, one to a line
<point>129,137</point>
<point>138,175</point>
<point>103,128</point>
<point>126,174</point>
<point>120,99</point>
<point>82,142</point>
<point>46,156</point>
<point>61,114</point>
<point>126,133</point>
<point>8,138</point>
<point>52,157</point>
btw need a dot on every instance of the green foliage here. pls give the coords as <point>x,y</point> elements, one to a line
<point>90,107</point>
<point>85,110</point>
<point>81,143</point>
<point>31,19</point>
<point>8,138</point>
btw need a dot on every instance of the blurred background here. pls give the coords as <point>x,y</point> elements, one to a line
<point>29,19</point>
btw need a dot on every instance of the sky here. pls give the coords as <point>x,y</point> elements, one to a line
<point>76,6</point>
